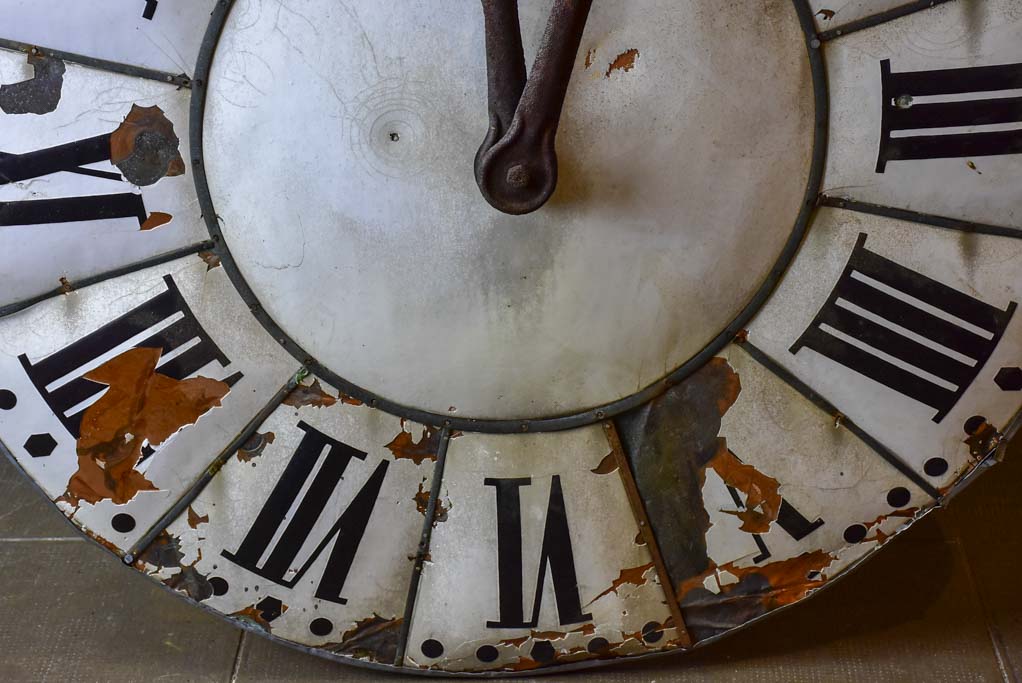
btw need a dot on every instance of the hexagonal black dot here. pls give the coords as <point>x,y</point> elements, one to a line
<point>1009,379</point>
<point>652,632</point>
<point>487,654</point>
<point>598,645</point>
<point>973,424</point>
<point>543,651</point>
<point>432,648</point>
<point>935,467</point>
<point>321,627</point>
<point>40,445</point>
<point>220,586</point>
<point>855,533</point>
<point>123,522</point>
<point>898,497</point>
<point>7,399</point>
<point>270,608</point>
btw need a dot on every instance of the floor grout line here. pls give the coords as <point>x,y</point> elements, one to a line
<point>1007,671</point>
<point>238,656</point>
<point>44,539</point>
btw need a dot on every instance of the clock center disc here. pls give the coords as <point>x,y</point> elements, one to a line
<point>339,141</point>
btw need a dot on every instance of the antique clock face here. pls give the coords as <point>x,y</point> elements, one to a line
<point>499,337</point>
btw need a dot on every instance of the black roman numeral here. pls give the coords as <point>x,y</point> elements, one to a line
<point>348,529</point>
<point>72,158</point>
<point>901,114</point>
<point>556,552</point>
<point>150,9</point>
<point>963,331</point>
<point>183,331</point>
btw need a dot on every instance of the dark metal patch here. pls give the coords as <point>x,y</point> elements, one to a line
<point>39,94</point>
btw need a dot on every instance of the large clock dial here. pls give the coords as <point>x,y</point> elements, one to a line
<point>357,327</point>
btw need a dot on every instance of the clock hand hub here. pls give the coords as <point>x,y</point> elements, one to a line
<point>517,172</point>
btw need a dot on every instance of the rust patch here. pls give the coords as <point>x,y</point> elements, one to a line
<point>372,638</point>
<point>874,526</point>
<point>607,465</point>
<point>211,259</point>
<point>194,520</point>
<point>156,219</point>
<point>670,441</point>
<point>634,576</point>
<point>164,551</point>
<point>640,539</point>
<point>65,286</point>
<point>405,447</point>
<point>145,148</point>
<point>763,499</point>
<point>314,395</point>
<point>590,57</point>
<point>758,590</point>
<point>255,446</point>
<point>827,14</point>
<point>983,438</point>
<point>39,94</point>
<point>421,499</point>
<point>350,401</point>
<point>623,62</point>
<point>141,407</point>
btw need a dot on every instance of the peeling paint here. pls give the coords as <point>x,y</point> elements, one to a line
<point>758,590</point>
<point>164,551</point>
<point>421,499</point>
<point>145,148</point>
<point>39,94</point>
<point>156,219</point>
<point>372,638</point>
<point>140,408</point>
<point>623,62</point>
<point>261,613</point>
<point>305,395</point>
<point>404,445</point>
<point>983,438</point>
<point>634,576</point>
<point>607,465</point>
<point>763,501</point>
<point>194,520</point>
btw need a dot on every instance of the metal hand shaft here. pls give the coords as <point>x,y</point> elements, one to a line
<point>518,173</point>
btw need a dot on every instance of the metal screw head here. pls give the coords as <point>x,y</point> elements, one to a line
<point>903,101</point>
<point>518,176</point>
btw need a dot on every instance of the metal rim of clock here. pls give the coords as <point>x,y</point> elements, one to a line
<point>507,426</point>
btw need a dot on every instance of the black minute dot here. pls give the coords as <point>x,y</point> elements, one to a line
<point>432,648</point>
<point>898,497</point>
<point>123,523</point>
<point>855,533</point>
<point>487,654</point>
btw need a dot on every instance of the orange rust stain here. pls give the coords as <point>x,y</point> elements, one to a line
<point>140,407</point>
<point>211,259</point>
<point>348,400</point>
<point>634,576</point>
<point>65,286</point>
<point>314,396</point>
<point>590,56</point>
<point>763,500</point>
<point>194,520</point>
<point>253,613</point>
<point>138,121</point>
<point>879,536</point>
<point>982,440</point>
<point>623,62</point>
<point>790,580</point>
<point>607,465</point>
<point>404,446</point>
<point>827,14</point>
<point>421,500</point>
<point>640,539</point>
<point>156,219</point>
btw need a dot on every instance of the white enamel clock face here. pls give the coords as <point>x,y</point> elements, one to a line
<point>263,338</point>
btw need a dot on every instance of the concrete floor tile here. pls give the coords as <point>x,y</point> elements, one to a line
<point>24,510</point>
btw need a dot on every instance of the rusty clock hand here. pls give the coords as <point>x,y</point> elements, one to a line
<point>516,167</point>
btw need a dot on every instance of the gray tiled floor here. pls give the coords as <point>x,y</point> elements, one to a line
<point>939,604</point>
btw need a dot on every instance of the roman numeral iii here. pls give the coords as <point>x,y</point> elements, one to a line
<point>881,312</point>
<point>902,113</point>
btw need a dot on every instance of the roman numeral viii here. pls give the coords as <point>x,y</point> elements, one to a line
<point>902,113</point>
<point>555,552</point>
<point>904,330</point>
<point>280,537</point>
<point>164,322</point>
